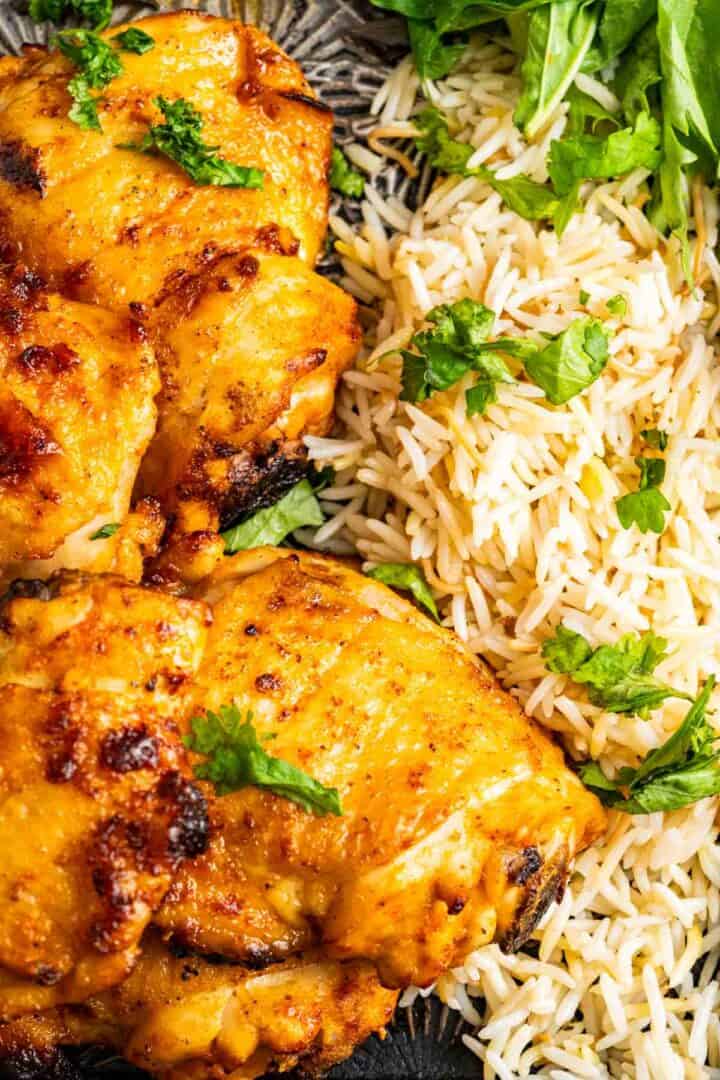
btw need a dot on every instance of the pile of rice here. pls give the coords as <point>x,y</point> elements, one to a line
<point>512,518</point>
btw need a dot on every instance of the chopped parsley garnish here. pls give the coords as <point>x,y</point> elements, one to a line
<point>298,508</point>
<point>95,12</point>
<point>408,578</point>
<point>685,768</point>
<point>343,177</point>
<point>106,531</point>
<point>236,759</point>
<point>134,40</point>
<point>655,438</point>
<point>179,139</point>
<point>617,305</point>
<point>647,506</point>
<point>619,677</point>
<point>459,342</point>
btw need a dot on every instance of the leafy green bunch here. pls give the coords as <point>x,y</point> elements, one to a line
<point>660,59</point>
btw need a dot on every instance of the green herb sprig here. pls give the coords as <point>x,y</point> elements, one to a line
<point>95,12</point>
<point>408,578</point>
<point>647,506</point>
<point>98,63</point>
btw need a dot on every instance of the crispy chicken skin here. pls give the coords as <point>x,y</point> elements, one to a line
<point>77,411</point>
<point>250,351</point>
<point>112,225</point>
<point>183,1018</point>
<point>96,805</point>
<point>460,816</point>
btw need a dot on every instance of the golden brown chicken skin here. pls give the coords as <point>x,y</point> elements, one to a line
<point>250,351</point>
<point>183,1018</point>
<point>77,411</point>
<point>113,225</point>
<point>459,815</point>
<point>97,808</point>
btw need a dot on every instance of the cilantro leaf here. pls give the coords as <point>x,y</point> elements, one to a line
<point>95,12</point>
<point>571,361</point>
<point>135,40</point>
<point>236,759</point>
<point>647,506</point>
<point>408,578</point>
<point>343,177</point>
<point>619,677</point>
<point>655,437</point>
<point>270,526</point>
<point>685,768</point>
<point>602,157</point>
<point>179,139</point>
<point>106,531</point>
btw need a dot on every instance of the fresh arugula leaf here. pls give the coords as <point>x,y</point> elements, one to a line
<point>571,361</point>
<point>435,56</point>
<point>602,157</point>
<point>271,525</point>
<point>655,437</point>
<point>638,73</point>
<point>619,677</point>
<point>647,506</point>
<point>620,23</point>
<point>134,40</point>
<point>685,768</point>
<point>96,12</point>
<point>237,759</point>
<point>524,196</point>
<point>559,36</point>
<point>343,177</point>
<point>106,531</point>
<point>408,578</point>
<point>617,305</point>
<point>179,139</point>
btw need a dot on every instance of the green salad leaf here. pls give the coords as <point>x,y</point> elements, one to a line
<point>408,578</point>
<point>180,140</point>
<point>299,507</point>
<point>619,677</point>
<point>647,506</point>
<point>343,177</point>
<point>237,759</point>
<point>685,768</point>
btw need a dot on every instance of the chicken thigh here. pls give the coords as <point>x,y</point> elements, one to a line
<point>111,225</point>
<point>459,818</point>
<point>96,805</point>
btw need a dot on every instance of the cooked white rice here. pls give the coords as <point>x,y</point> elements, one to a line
<point>512,518</point>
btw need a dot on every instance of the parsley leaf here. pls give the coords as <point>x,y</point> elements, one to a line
<point>655,437</point>
<point>571,361</point>
<point>532,201</point>
<point>685,768</point>
<point>83,111</point>
<point>617,305</point>
<point>135,40</point>
<point>95,12</point>
<point>409,578</point>
<point>619,677</point>
<point>236,759</point>
<point>270,526</point>
<point>647,506</point>
<point>343,177</point>
<point>98,63</point>
<point>106,531</point>
<point>179,139</point>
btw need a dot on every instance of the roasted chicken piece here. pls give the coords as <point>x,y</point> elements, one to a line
<point>96,805</point>
<point>250,351</point>
<point>114,225</point>
<point>459,815</point>
<point>77,411</point>
<point>180,1016</point>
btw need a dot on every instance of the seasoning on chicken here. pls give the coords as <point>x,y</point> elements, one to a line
<point>250,351</point>
<point>459,818</point>
<point>178,1015</point>
<point>114,225</point>
<point>96,805</point>
<point>77,388</point>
